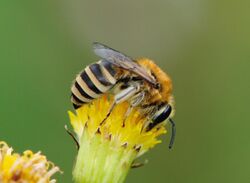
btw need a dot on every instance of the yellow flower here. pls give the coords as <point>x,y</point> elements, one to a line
<point>108,148</point>
<point>26,168</point>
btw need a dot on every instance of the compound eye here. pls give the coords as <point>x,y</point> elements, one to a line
<point>162,115</point>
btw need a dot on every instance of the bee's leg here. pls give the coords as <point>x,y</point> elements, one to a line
<point>127,93</point>
<point>123,95</point>
<point>149,112</point>
<point>110,111</point>
<point>173,133</point>
<point>138,165</point>
<point>126,115</point>
<point>135,101</point>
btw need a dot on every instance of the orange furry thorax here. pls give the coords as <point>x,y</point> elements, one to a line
<point>163,94</point>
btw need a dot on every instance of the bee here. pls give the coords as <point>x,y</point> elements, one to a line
<point>140,82</point>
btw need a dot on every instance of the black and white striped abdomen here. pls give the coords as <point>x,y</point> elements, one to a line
<point>92,82</point>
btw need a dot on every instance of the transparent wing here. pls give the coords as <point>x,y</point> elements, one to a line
<point>122,61</point>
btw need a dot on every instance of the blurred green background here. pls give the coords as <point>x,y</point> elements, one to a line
<point>202,44</point>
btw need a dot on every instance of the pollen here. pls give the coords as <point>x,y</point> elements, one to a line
<point>120,128</point>
<point>26,168</point>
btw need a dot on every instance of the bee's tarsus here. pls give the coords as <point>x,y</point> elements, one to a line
<point>171,143</point>
<point>110,111</point>
<point>73,137</point>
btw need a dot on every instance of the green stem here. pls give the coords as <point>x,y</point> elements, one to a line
<point>99,161</point>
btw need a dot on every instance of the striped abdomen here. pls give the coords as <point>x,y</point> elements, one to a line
<point>92,82</point>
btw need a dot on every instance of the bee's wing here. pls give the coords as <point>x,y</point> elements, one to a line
<point>122,61</point>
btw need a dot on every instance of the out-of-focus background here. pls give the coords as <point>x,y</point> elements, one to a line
<point>203,45</point>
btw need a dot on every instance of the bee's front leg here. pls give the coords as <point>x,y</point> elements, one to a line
<point>137,99</point>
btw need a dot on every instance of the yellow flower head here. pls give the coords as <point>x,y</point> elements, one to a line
<point>119,129</point>
<point>26,168</point>
<point>109,147</point>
